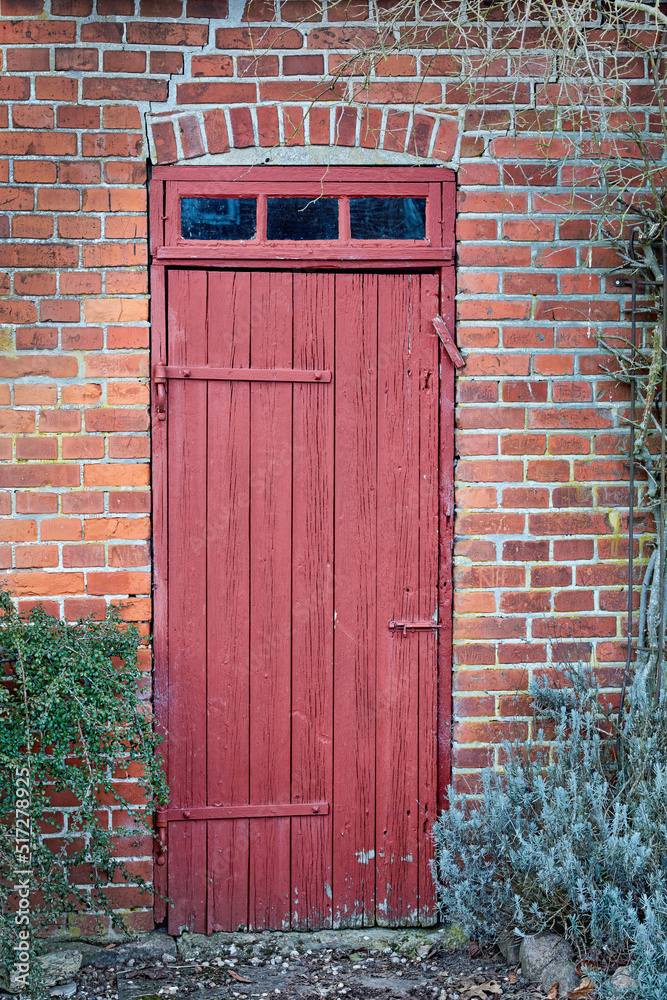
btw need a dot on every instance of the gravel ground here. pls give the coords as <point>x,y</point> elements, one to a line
<point>357,973</point>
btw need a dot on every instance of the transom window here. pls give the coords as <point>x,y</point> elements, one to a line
<point>368,218</point>
<point>331,216</point>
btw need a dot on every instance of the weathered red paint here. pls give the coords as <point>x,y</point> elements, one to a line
<point>295,519</point>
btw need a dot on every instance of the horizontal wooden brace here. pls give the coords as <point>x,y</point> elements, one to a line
<point>165,816</point>
<point>163,372</point>
<point>318,257</point>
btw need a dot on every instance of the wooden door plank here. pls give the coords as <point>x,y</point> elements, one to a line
<point>428,353</point>
<point>270,598</point>
<point>187,600</point>
<point>446,524</point>
<point>228,587</point>
<point>160,509</point>
<point>355,600</point>
<point>397,721</point>
<point>312,601</point>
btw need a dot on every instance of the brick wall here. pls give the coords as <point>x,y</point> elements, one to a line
<point>90,93</point>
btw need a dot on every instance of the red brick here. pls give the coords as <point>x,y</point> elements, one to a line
<point>17,421</point>
<point>574,600</point>
<point>523,444</point>
<point>83,447</point>
<point>523,496</point>
<point>27,60</point>
<point>215,126</point>
<point>32,226</point>
<point>526,551</point>
<point>528,230</point>
<point>127,88</point>
<point>32,476</point>
<point>78,173</point>
<point>57,421</point>
<point>35,556</point>
<point>254,66</point>
<point>548,471</point>
<point>116,474</point>
<point>136,502</point>
<point>169,63</point>
<point>59,529</point>
<point>216,93</point>
<point>525,602</point>
<point>129,555</point>
<point>497,417</point>
<point>489,471</point>
<point>302,65</point>
<point>577,523</point>
<point>77,116</point>
<point>490,523</point>
<point>34,172</point>
<point>267,127</point>
<point>165,142</point>
<point>254,38</point>
<point>71,8</point>
<point>37,448</point>
<point>573,496</point>
<point>119,8</point>
<point>163,33</point>
<point>38,116</point>
<point>580,548</point>
<point>75,556</point>
<point>36,503</point>
<point>56,88</point>
<point>58,199</point>
<point>119,582</point>
<point>82,339</point>
<point>86,502</point>
<point>109,420</point>
<point>294,91</point>
<point>40,584</point>
<point>569,444</point>
<point>242,130</point>
<point>85,607</point>
<point>489,576</point>
<point>81,59</point>
<point>59,310</point>
<point>293,124</point>
<point>489,732</point>
<point>580,625</point>
<point>102,33</point>
<point>34,395</point>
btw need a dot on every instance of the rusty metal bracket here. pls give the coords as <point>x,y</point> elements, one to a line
<point>249,811</point>
<point>406,627</point>
<point>160,380</point>
<point>448,342</point>
<point>161,827</point>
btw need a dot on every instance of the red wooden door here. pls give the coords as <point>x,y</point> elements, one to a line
<point>302,507</point>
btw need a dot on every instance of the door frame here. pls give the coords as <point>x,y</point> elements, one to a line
<point>435,253</point>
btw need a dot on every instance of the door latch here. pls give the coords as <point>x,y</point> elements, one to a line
<point>406,627</point>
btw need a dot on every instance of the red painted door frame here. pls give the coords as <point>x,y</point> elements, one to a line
<point>435,253</point>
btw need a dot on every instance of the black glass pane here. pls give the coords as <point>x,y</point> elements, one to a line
<point>218,218</point>
<point>388,218</point>
<point>302,219</point>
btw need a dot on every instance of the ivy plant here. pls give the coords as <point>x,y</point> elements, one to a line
<point>75,738</point>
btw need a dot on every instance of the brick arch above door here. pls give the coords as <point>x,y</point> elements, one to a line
<point>195,135</point>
